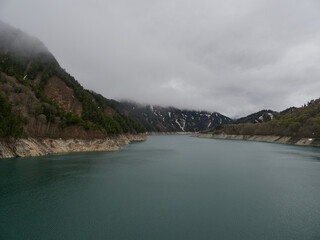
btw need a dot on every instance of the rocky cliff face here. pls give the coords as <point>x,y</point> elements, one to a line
<point>63,95</point>
<point>29,147</point>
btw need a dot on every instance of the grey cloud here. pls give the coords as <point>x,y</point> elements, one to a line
<point>232,56</point>
<point>19,42</point>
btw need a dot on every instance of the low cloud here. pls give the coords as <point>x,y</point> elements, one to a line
<point>235,57</point>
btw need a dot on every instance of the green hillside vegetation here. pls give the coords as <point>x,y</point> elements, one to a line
<point>25,67</point>
<point>10,124</point>
<point>125,123</point>
<point>293,122</point>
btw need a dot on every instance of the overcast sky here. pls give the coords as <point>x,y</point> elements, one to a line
<point>231,56</point>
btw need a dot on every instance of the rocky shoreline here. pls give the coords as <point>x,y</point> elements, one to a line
<point>259,138</point>
<point>31,147</point>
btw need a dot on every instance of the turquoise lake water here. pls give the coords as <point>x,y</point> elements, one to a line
<point>169,187</point>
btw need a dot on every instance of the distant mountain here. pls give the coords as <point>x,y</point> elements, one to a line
<point>303,122</point>
<point>170,119</point>
<point>258,117</point>
<point>289,110</point>
<point>40,99</point>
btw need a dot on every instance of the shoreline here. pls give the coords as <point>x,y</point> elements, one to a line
<point>31,147</point>
<point>314,142</point>
<point>169,133</point>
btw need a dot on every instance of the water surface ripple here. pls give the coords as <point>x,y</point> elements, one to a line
<point>169,187</point>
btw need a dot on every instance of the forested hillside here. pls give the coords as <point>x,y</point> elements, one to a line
<point>293,122</point>
<point>41,99</point>
<point>38,98</point>
<point>171,119</point>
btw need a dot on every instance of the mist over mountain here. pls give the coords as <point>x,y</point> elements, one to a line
<point>20,43</point>
<point>234,57</point>
<point>171,119</point>
<point>42,100</point>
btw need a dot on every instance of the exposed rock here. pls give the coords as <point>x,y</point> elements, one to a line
<point>38,147</point>
<point>57,90</point>
<point>267,138</point>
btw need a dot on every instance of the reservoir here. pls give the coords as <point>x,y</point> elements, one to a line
<point>168,187</point>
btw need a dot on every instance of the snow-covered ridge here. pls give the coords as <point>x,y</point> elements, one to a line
<point>157,118</point>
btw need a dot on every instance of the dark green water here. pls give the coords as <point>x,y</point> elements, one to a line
<point>170,187</point>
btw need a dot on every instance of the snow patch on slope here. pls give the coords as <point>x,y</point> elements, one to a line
<point>271,115</point>
<point>183,124</point>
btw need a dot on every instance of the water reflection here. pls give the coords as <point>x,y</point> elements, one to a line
<point>170,187</point>
<point>303,153</point>
<point>24,174</point>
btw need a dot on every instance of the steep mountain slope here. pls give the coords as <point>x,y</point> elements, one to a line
<point>43,100</point>
<point>170,119</point>
<point>303,122</point>
<point>40,99</point>
<point>258,117</point>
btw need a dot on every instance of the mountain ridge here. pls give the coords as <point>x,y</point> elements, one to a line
<point>46,101</point>
<point>303,122</point>
<point>172,119</point>
<point>258,117</point>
